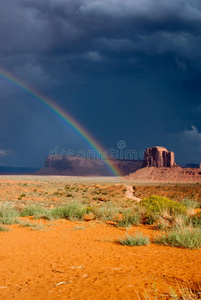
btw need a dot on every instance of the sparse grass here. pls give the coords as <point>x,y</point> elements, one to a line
<point>186,292</point>
<point>182,291</point>
<point>27,224</point>
<point>135,240</point>
<point>190,204</point>
<point>39,226</point>
<point>189,238</point>
<point>106,212</point>
<point>161,224</point>
<point>36,211</point>
<point>3,228</point>
<point>195,220</point>
<point>78,228</point>
<point>70,211</point>
<point>129,218</point>
<point>8,215</point>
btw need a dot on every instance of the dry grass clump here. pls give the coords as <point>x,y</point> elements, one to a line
<point>195,220</point>
<point>106,211</point>
<point>186,237</point>
<point>135,240</point>
<point>190,204</point>
<point>3,228</point>
<point>186,292</point>
<point>8,215</point>
<point>70,211</point>
<point>33,226</point>
<point>182,291</point>
<point>129,217</point>
<point>37,211</point>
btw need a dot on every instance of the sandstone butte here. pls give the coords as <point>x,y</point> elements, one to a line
<point>159,157</point>
<point>159,166</point>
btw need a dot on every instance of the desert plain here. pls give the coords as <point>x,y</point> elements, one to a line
<point>81,257</point>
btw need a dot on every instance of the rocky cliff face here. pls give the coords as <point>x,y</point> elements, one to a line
<point>76,166</point>
<point>159,157</point>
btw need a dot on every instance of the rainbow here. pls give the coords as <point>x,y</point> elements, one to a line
<point>60,113</point>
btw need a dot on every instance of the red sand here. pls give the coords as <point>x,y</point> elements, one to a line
<point>62,263</point>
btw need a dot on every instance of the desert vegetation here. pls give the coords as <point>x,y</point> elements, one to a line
<point>181,237</point>
<point>135,240</point>
<point>171,217</point>
<point>102,214</point>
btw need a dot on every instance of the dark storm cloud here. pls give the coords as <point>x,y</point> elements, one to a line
<point>114,60</point>
<point>39,39</point>
<point>154,27</point>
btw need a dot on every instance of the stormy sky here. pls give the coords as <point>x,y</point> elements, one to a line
<point>127,70</point>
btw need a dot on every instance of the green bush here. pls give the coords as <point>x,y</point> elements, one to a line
<point>8,215</point>
<point>156,205</point>
<point>129,217</point>
<point>70,211</point>
<point>189,238</point>
<point>36,211</point>
<point>135,240</point>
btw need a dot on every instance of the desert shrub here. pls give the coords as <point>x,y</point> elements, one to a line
<point>22,195</point>
<point>71,211</point>
<point>106,212</point>
<point>185,238</point>
<point>69,195</point>
<point>36,211</point>
<point>129,217</point>
<point>33,226</point>
<point>161,224</point>
<point>8,215</point>
<point>135,240</point>
<point>27,224</point>
<point>190,204</point>
<point>38,226</point>
<point>57,194</point>
<point>195,220</point>
<point>3,228</point>
<point>156,205</point>
<point>179,221</point>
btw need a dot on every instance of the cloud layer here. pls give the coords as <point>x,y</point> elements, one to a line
<point>133,64</point>
<point>154,27</point>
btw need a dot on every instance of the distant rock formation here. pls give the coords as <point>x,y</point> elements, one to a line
<point>173,175</point>
<point>78,166</point>
<point>159,157</point>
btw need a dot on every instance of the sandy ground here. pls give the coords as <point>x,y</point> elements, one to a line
<point>82,260</point>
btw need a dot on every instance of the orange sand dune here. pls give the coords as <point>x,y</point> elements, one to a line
<point>73,260</point>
